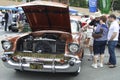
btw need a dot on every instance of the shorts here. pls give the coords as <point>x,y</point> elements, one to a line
<point>91,42</point>
<point>89,34</point>
<point>84,35</point>
<point>99,47</point>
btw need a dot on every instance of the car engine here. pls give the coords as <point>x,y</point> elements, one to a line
<point>46,43</point>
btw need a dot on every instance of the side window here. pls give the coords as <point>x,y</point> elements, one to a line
<point>74,26</point>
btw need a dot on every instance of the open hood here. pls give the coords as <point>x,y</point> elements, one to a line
<point>46,15</point>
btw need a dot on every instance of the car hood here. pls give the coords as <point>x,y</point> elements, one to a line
<point>45,15</point>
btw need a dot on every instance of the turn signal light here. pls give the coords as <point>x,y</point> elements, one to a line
<point>4,59</point>
<point>71,63</point>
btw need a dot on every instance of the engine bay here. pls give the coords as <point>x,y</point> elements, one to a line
<point>45,43</point>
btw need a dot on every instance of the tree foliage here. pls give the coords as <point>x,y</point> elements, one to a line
<point>84,3</point>
<point>79,3</point>
<point>116,5</point>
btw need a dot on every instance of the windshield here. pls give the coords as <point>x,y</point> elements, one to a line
<point>74,26</point>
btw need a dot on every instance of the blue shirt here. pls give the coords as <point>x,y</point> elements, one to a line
<point>105,32</point>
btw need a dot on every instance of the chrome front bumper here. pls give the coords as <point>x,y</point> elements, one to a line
<point>46,68</point>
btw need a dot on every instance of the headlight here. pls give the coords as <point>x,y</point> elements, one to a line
<point>73,47</point>
<point>6,45</point>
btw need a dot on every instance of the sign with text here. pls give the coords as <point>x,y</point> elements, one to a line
<point>93,5</point>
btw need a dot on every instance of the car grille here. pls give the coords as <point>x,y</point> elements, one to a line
<point>45,46</point>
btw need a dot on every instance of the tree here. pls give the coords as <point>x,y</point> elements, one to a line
<point>116,5</point>
<point>79,3</point>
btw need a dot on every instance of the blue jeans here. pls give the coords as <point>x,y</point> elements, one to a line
<point>111,49</point>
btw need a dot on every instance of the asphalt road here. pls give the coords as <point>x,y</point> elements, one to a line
<point>87,72</point>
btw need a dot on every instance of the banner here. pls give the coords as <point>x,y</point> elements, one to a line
<point>93,5</point>
<point>105,6</point>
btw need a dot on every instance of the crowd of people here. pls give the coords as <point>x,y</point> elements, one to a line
<point>9,18</point>
<point>102,31</point>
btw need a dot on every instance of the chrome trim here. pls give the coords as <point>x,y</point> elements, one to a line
<point>76,57</point>
<point>46,68</point>
<point>53,65</point>
<point>44,39</point>
<point>6,53</point>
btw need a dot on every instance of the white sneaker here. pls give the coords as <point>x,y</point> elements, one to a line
<point>100,65</point>
<point>94,66</point>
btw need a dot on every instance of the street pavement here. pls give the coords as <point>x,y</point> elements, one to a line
<point>87,72</point>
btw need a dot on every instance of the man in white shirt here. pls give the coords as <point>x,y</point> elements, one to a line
<point>112,40</point>
<point>91,24</point>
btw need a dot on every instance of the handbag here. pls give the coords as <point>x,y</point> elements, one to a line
<point>97,35</point>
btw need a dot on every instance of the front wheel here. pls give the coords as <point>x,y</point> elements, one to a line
<point>17,70</point>
<point>77,72</point>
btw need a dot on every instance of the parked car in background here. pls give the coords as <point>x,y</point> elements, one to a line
<point>54,45</point>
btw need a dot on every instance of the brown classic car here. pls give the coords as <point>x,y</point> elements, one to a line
<point>54,45</point>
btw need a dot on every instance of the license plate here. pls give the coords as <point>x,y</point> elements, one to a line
<point>36,66</point>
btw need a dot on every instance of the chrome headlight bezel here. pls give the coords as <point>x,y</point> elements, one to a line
<point>6,45</point>
<point>74,48</point>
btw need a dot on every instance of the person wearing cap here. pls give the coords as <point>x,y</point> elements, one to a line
<point>112,40</point>
<point>91,24</point>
